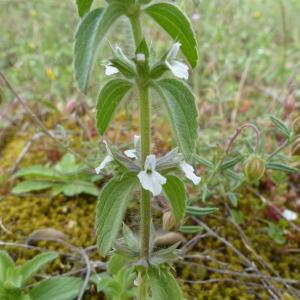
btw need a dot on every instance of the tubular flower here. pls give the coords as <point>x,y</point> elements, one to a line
<point>189,172</point>
<point>178,68</point>
<point>133,153</point>
<point>150,179</point>
<point>108,158</point>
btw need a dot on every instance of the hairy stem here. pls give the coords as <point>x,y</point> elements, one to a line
<point>146,145</point>
<point>145,131</point>
<point>136,29</point>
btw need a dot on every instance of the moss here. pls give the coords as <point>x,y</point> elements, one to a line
<point>75,218</point>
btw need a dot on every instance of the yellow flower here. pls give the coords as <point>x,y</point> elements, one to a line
<point>50,73</point>
<point>257,14</point>
<point>33,13</point>
<point>31,45</point>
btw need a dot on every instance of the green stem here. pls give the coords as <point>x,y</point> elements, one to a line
<point>136,28</point>
<point>142,290</point>
<point>279,149</point>
<point>145,131</point>
<point>146,149</point>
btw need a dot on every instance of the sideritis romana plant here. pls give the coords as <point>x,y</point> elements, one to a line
<point>138,167</point>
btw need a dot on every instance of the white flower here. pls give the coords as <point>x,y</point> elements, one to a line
<point>178,68</point>
<point>190,172</point>
<point>289,215</point>
<point>132,153</point>
<point>119,53</point>
<point>108,158</point>
<point>150,179</point>
<point>110,70</point>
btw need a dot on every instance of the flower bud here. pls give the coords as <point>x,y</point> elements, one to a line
<point>296,146</point>
<point>254,168</point>
<point>169,222</point>
<point>289,104</point>
<point>140,57</point>
<point>70,107</point>
<point>296,125</point>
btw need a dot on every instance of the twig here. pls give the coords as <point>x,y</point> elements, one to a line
<point>191,243</point>
<point>238,132</point>
<point>249,263</point>
<point>240,91</point>
<point>217,280</point>
<point>29,247</point>
<point>4,228</point>
<point>247,275</point>
<point>87,264</point>
<point>277,210</point>
<point>87,274</point>
<point>279,149</point>
<point>248,246</point>
<point>25,150</point>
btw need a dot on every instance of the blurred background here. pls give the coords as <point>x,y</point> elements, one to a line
<point>249,49</point>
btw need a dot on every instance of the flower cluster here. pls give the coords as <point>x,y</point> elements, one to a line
<point>179,69</point>
<point>150,177</point>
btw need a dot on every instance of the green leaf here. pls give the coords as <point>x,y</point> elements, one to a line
<point>191,229</point>
<point>231,163</point>
<point>281,126</point>
<point>64,288</point>
<point>233,175</point>
<point>90,189</point>
<point>111,207</point>
<point>163,256</point>
<point>126,68</point>
<point>178,26</point>
<point>30,186</point>
<point>130,239</point>
<point>67,164</point>
<point>6,263</point>
<point>233,199</point>
<point>143,48</point>
<point>37,171</point>
<point>163,285</point>
<point>237,216</point>
<point>11,294</point>
<point>33,266</point>
<point>200,211</point>
<point>90,33</point>
<point>77,187</point>
<point>277,166</point>
<point>176,195</point>
<point>203,161</point>
<point>108,100</point>
<point>276,232</point>
<point>83,6</point>
<point>182,110</point>
<point>117,262</point>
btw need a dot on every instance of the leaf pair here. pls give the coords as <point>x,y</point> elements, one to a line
<point>163,285</point>
<point>114,201</point>
<point>111,207</point>
<point>177,98</point>
<point>66,177</point>
<point>95,25</point>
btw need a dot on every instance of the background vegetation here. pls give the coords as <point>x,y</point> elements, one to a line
<point>249,51</point>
